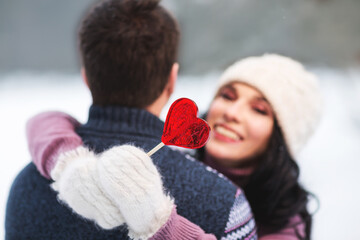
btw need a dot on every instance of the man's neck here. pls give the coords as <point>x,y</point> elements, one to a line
<point>156,107</point>
<point>122,119</point>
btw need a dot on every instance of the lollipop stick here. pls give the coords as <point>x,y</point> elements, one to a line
<point>155,149</point>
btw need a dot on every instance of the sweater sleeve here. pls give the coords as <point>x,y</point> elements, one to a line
<point>48,135</point>
<point>289,232</point>
<point>241,224</point>
<point>178,227</point>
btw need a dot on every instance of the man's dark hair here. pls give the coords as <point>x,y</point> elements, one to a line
<point>128,48</point>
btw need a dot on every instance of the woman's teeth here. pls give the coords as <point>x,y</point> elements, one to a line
<point>227,133</point>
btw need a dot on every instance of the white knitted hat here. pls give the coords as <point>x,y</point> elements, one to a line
<point>292,92</point>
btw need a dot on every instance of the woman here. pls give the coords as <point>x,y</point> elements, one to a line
<point>265,110</point>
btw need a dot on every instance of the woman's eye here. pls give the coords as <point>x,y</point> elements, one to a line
<point>226,96</point>
<point>261,111</point>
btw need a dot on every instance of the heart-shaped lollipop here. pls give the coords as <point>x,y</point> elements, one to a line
<point>182,126</point>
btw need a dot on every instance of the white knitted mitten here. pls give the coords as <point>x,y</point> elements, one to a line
<point>77,184</point>
<point>129,177</point>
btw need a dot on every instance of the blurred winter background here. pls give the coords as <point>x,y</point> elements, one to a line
<point>39,71</point>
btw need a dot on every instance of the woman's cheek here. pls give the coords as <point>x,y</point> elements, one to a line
<point>214,113</point>
<point>261,128</point>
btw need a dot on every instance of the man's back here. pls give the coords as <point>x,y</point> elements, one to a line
<point>200,194</point>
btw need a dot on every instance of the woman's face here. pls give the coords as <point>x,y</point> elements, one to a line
<point>242,121</point>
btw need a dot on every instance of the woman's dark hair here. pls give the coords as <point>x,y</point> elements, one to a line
<point>273,189</point>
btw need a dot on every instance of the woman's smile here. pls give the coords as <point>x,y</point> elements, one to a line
<point>224,133</point>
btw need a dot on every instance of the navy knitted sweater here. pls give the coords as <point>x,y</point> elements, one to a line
<point>201,194</point>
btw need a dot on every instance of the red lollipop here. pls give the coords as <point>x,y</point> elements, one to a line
<point>182,126</point>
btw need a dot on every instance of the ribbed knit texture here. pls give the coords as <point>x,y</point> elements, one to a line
<point>201,195</point>
<point>177,227</point>
<point>52,141</point>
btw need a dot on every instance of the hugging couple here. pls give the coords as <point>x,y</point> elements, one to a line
<point>95,180</point>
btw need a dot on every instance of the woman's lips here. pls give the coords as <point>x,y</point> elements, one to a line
<point>226,134</point>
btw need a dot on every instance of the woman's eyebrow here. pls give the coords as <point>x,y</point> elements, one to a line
<point>262,99</point>
<point>229,87</point>
<point>232,88</point>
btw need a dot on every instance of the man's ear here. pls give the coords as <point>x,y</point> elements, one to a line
<point>172,78</point>
<point>84,77</point>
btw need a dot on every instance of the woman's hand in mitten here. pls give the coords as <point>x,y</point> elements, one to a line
<point>77,183</point>
<point>131,180</point>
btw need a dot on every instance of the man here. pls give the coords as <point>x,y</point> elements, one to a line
<point>129,50</point>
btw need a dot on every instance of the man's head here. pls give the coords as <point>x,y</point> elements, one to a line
<point>128,50</point>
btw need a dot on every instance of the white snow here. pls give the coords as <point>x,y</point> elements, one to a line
<point>329,163</point>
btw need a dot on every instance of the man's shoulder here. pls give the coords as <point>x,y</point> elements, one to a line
<point>33,212</point>
<point>29,190</point>
<point>26,196</point>
<point>28,177</point>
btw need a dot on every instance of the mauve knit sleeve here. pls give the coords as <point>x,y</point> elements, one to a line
<point>178,227</point>
<point>48,135</point>
<point>289,232</point>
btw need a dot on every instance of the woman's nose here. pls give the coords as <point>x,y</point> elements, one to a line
<point>234,112</point>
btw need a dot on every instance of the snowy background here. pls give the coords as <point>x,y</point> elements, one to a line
<point>39,64</point>
<point>329,163</point>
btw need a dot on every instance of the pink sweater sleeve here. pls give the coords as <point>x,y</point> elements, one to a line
<point>178,227</point>
<point>288,232</point>
<point>49,134</point>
